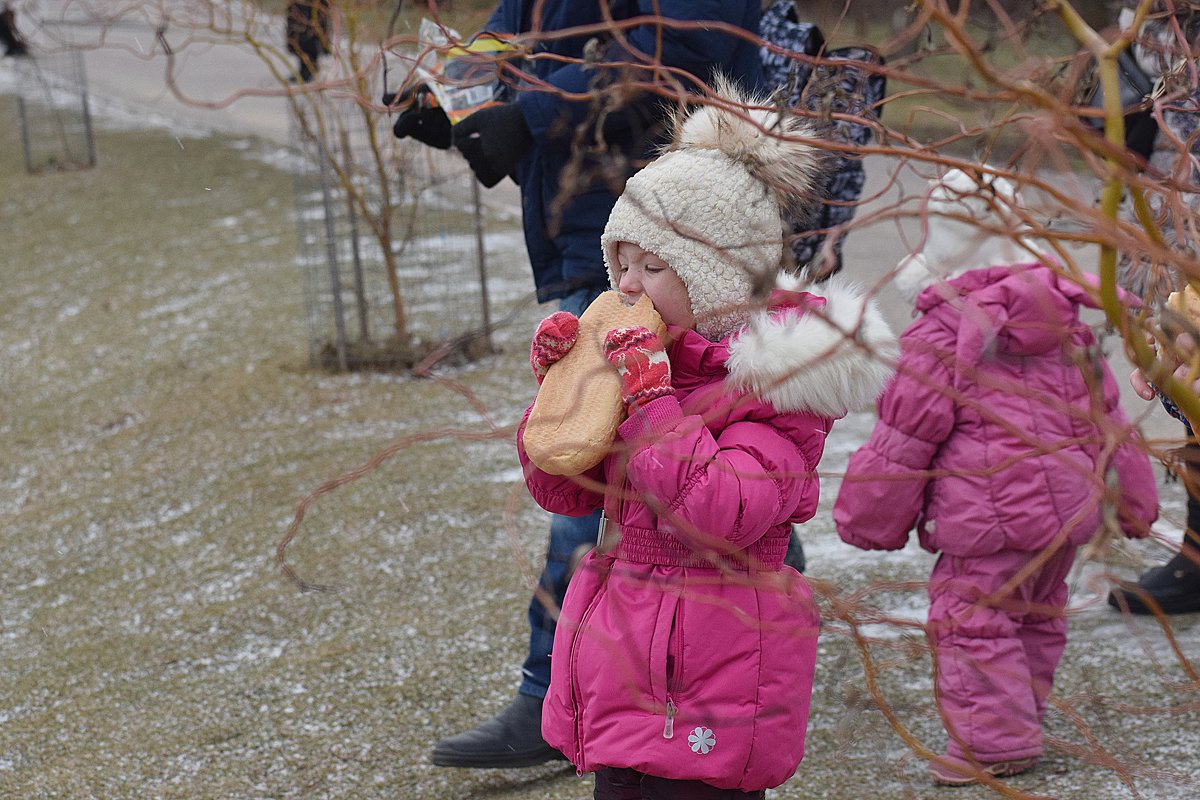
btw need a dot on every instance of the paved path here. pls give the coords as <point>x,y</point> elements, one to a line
<point>219,84</point>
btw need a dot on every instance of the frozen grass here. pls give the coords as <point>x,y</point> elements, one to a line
<point>160,425</point>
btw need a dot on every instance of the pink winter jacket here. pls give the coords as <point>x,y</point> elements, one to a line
<point>991,437</point>
<point>686,650</point>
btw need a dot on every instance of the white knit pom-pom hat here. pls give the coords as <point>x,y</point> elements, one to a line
<point>710,205</point>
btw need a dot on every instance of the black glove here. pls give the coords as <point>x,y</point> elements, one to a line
<point>421,120</point>
<point>493,140</point>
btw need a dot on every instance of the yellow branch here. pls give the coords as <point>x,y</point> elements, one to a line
<point>1140,352</point>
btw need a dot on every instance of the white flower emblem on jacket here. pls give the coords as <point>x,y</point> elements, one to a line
<point>702,740</point>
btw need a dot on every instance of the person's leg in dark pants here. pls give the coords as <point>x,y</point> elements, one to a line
<point>618,784</point>
<point>664,789</point>
<point>513,738</point>
<point>629,784</point>
<point>794,557</point>
<point>567,536</point>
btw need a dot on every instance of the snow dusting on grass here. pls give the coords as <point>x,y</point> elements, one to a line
<point>158,426</point>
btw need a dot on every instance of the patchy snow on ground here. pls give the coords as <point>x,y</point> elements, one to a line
<point>160,427</point>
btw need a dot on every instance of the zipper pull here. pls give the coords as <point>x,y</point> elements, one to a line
<point>669,726</point>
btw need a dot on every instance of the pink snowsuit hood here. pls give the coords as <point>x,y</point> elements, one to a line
<point>687,650</point>
<point>990,437</point>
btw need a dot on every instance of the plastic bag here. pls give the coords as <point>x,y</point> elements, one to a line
<point>465,77</point>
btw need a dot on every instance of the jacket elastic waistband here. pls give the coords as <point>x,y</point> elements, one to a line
<point>648,546</point>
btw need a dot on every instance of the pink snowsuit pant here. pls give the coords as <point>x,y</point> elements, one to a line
<point>997,648</point>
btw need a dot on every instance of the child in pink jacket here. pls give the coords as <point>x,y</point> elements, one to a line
<point>997,440</point>
<point>683,659</point>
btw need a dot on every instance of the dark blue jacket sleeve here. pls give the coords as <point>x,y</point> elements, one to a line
<point>497,23</point>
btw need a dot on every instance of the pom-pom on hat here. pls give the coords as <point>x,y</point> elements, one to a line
<point>710,205</point>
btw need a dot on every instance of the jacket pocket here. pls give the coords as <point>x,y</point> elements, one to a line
<point>597,575</point>
<point>666,660</point>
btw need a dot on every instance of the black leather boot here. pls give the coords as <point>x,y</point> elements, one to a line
<point>1173,588</point>
<point>513,738</point>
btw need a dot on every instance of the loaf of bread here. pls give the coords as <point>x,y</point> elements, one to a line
<point>1186,303</point>
<point>577,410</point>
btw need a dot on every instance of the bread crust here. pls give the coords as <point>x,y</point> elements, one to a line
<point>1186,303</point>
<point>579,405</point>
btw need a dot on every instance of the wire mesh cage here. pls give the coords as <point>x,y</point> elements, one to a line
<point>390,242</point>
<point>55,118</point>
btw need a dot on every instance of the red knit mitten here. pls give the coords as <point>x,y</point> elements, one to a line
<point>554,338</point>
<point>642,363</point>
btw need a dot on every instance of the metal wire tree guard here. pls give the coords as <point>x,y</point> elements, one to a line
<point>390,242</point>
<point>55,118</point>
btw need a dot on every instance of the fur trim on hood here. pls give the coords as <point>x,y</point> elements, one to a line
<point>972,222</point>
<point>830,360</point>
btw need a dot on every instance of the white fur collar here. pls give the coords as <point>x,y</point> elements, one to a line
<point>830,361</point>
<point>972,222</point>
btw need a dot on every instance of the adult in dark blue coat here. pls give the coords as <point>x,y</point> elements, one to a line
<point>571,162</point>
<point>531,138</point>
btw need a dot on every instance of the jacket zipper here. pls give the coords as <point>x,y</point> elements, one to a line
<point>673,672</point>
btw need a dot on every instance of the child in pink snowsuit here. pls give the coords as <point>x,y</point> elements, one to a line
<point>998,447</point>
<point>684,654</point>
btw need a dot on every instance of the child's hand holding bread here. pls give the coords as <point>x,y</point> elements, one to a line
<point>641,361</point>
<point>554,338</point>
<point>581,399</point>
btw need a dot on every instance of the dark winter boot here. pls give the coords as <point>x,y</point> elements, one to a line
<point>1173,588</point>
<point>513,738</point>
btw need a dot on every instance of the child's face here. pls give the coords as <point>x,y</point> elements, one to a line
<point>642,273</point>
